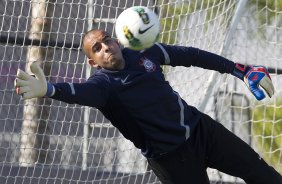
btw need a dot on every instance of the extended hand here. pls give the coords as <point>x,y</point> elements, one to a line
<point>256,77</point>
<point>28,86</point>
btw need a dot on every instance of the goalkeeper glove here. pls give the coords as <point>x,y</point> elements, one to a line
<point>33,86</point>
<point>255,77</point>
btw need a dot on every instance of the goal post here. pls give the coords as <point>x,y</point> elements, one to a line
<point>225,46</point>
<point>83,146</point>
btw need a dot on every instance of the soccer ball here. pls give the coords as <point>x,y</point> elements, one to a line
<point>137,28</point>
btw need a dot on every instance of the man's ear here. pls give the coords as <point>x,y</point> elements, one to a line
<point>92,63</point>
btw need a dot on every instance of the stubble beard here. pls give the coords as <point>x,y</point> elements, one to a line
<point>117,63</point>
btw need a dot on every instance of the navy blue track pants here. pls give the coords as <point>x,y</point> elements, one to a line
<point>212,145</point>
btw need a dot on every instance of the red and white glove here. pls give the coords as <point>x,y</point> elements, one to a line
<point>256,78</point>
<point>32,87</point>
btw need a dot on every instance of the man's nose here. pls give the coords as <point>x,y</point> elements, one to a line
<point>106,47</point>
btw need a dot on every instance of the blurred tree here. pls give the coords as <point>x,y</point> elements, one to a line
<point>173,12</point>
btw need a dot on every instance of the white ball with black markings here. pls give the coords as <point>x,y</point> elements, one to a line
<point>137,28</point>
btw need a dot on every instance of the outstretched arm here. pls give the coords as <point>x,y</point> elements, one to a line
<point>190,56</point>
<point>92,93</point>
<point>256,78</point>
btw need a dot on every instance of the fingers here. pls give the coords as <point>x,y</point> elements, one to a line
<point>19,82</point>
<point>29,86</point>
<point>257,92</point>
<point>267,85</point>
<point>21,90</point>
<point>22,86</point>
<point>259,82</point>
<point>36,69</point>
<point>22,75</point>
<point>22,83</point>
<point>25,92</point>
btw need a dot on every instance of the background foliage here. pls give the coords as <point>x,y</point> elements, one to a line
<point>267,128</point>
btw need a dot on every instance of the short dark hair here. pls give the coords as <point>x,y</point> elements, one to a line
<point>87,35</point>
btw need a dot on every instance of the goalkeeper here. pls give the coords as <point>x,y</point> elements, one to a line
<point>178,141</point>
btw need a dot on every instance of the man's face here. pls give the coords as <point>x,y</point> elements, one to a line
<point>103,51</point>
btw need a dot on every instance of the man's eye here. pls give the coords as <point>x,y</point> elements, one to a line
<point>96,48</point>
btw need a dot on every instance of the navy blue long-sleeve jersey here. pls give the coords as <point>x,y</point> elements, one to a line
<point>139,101</point>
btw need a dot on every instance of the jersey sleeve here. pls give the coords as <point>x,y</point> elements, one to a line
<point>190,56</point>
<point>94,92</point>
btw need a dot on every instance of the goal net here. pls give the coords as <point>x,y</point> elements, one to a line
<point>46,141</point>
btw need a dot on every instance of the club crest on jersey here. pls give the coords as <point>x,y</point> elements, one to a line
<point>148,65</point>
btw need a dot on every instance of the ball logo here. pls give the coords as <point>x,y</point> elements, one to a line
<point>129,36</point>
<point>148,65</point>
<point>143,15</point>
<point>143,31</point>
